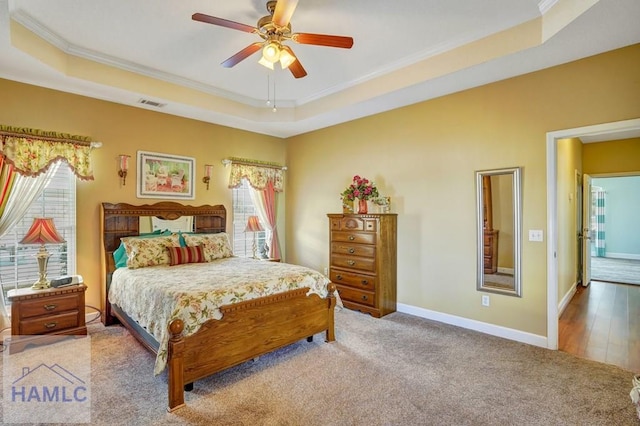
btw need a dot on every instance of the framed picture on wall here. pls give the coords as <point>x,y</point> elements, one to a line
<point>165,176</point>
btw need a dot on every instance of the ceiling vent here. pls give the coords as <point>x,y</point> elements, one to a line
<point>152,103</point>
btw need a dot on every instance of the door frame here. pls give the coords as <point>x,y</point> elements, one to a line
<point>552,210</point>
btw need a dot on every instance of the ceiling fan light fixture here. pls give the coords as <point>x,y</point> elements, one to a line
<point>286,59</point>
<point>271,52</point>
<point>265,63</point>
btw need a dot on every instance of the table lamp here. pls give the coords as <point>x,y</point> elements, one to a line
<point>42,232</point>
<point>253,225</point>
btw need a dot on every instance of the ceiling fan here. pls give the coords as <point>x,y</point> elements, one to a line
<point>274,29</point>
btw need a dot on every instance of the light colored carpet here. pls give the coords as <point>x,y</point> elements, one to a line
<point>626,271</point>
<point>398,370</point>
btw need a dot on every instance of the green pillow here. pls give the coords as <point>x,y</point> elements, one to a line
<point>120,255</point>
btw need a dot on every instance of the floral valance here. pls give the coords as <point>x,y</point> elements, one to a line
<point>32,151</point>
<point>257,173</point>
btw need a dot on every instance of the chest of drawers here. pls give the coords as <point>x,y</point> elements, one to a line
<point>490,253</point>
<point>36,314</point>
<point>363,261</point>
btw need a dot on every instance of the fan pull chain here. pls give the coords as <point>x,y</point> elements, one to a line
<point>275,108</point>
<point>268,91</point>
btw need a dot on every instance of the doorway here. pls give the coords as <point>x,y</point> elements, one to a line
<point>607,131</point>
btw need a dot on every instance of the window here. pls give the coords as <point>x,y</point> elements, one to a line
<point>18,267</point>
<point>243,208</point>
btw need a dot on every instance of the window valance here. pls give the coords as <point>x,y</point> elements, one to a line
<point>258,173</point>
<point>32,151</point>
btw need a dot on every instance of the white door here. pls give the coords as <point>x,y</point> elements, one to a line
<point>586,230</point>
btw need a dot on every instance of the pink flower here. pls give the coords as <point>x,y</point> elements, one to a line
<point>361,188</point>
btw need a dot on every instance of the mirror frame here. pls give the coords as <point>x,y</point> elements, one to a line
<point>515,173</point>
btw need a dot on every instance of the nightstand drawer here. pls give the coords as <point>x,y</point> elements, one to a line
<point>357,296</point>
<point>49,324</point>
<point>361,281</point>
<point>48,305</point>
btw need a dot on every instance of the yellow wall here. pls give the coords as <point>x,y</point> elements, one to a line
<point>424,156</point>
<point>124,130</point>
<point>503,214</point>
<point>621,156</point>
<point>569,164</point>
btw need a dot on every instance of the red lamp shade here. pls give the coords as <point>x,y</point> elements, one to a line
<point>253,225</point>
<point>42,231</point>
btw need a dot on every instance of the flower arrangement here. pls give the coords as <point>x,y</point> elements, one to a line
<point>361,188</point>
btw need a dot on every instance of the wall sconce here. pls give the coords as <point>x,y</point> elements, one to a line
<point>124,166</point>
<point>207,174</point>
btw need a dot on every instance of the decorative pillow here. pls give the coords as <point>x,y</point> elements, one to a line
<point>142,252</point>
<point>120,255</point>
<point>216,246</point>
<point>180,255</point>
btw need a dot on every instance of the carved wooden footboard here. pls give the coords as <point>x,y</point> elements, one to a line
<point>247,329</point>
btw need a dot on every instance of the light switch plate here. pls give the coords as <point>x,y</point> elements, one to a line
<point>535,235</point>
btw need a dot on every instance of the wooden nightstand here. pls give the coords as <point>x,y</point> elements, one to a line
<point>46,313</point>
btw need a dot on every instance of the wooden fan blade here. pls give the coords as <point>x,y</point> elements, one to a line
<point>243,54</point>
<point>284,10</point>
<point>296,67</point>
<point>223,22</point>
<point>323,40</point>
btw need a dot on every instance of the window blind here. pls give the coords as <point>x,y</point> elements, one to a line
<point>18,266</point>
<point>242,209</point>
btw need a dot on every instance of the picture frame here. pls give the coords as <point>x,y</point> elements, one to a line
<point>165,176</point>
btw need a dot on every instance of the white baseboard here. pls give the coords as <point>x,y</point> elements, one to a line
<point>492,329</point>
<point>508,271</point>
<point>623,256</point>
<point>567,298</point>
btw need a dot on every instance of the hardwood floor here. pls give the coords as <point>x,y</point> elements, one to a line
<point>602,323</point>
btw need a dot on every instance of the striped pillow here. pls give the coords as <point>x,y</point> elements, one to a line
<point>180,255</point>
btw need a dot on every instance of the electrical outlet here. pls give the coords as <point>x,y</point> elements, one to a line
<point>326,272</point>
<point>485,300</point>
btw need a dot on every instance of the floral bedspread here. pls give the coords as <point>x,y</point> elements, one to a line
<point>194,292</point>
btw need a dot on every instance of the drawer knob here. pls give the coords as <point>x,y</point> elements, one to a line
<point>50,307</point>
<point>352,250</point>
<point>50,325</point>
<point>352,237</point>
<point>351,262</point>
<point>365,282</point>
<point>364,297</point>
<point>338,277</point>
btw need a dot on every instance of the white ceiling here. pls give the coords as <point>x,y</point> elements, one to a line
<point>404,52</point>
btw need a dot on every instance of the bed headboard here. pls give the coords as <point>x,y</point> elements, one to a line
<point>123,220</point>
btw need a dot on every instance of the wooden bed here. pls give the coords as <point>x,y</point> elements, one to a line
<point>247,329</point>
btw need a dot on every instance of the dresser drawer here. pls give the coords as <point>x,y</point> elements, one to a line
<point>362,297</point>
<point>50,323</point>
<point>48,305</point>
<point>355,280</point>
<point>353,224</point>
<point>353,262</point>
<point>353,237</point>
<point>488,250</point>
<point>353,249</point>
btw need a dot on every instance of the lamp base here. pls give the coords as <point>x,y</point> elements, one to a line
<point>41,284</point>
<point>43,259</point>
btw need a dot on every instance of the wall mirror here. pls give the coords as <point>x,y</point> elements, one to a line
<point>499,230</point>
